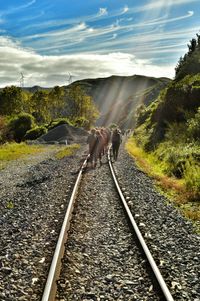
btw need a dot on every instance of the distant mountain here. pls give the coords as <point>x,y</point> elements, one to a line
<point>35,89</point>
<point>117,97</point>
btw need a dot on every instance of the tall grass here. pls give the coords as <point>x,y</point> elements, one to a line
<point>185,191</point>
<point>192,178</point>
<point>13,151</point>
<point>154,167</point>
<point>67,151</point>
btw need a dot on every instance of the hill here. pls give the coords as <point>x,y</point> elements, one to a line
<point>190,62</point>
<point>168,130</point>
<point>117,97</point>
<point>35,89</point>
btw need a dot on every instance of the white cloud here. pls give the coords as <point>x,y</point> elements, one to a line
<point>83,35</point>
<point>14,9</point>
<point>66,32</point>
<point>103,12</point>
<point>125,9</point>
<point>153,5</point>
<point>52,70</point>
<point>169,20</point>
<point>25,5</point>
<point>78,34</point>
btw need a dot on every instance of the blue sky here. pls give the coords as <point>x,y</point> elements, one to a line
<point>48,40</point>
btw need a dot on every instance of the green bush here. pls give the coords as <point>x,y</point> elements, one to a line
<point>19,125</point>
<point>175,155</point>
<point>3,129</point>
<point>35,133</point>
<point>81,122</point>
<point>113,126</point>
<point>175,162</point>
<point>57,122</point>
<point>173,106</point>
<point>192,177</point>
<point>194,126</point>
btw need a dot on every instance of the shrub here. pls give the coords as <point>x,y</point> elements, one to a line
<point>194,126</point>
<point>35,133</point>
<point>172,106</point>
<point>3,129</point>
<point>113,126</point>
<point>192,178</point>
<point>81,122</point>
<point>19,125</point>
<point>175,155</point>
<point>176,162</point>
<point>57,122</point>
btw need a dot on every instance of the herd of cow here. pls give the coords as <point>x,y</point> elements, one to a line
<point>99,140</point>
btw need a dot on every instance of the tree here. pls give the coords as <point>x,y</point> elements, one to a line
<point>56,102</point>
<point>11,100</point>
<point>80,105</point>
<point>89,111</point>
<point>189,64</point>
<point>40,107</point>
<point>19,125</point>
<point>3,129</point>
<point>75,99</point>
<point>179,64</point>
<point>198,41</point>
<point>192,46</point>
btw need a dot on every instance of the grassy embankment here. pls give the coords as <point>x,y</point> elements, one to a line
<point>14,151</point>
<point>180,191</point>
<point>67,151</point>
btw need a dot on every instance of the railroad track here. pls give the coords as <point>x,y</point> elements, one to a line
<point>101,259</point>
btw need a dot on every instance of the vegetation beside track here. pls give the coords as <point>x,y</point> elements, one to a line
<point>67,151</point>
<point>175,189</point>
<point>166,139</point>
<point>13,151</point>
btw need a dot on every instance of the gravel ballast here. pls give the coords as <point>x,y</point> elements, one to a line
<point>33,198</point>
<point>102,260</point>
<point>170,237</point>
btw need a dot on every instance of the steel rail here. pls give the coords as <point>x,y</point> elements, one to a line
<point>51,287</point>
<point>152,263</point>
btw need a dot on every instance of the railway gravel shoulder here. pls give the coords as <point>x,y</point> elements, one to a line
<point>33,199</point>
<point>170,237</point>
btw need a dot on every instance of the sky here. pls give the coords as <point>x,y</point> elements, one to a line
<point>55,42</point>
